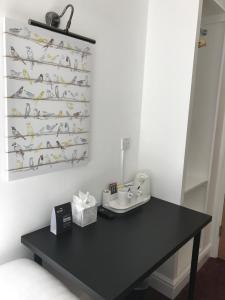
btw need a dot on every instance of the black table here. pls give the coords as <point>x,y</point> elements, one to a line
<point>111,257</point>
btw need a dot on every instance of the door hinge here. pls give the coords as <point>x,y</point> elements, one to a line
<point>220,230</point>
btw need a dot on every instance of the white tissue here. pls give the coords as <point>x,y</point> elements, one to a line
<point>84,200</point>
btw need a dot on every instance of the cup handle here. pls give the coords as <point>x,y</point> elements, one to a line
<point>130,195</point>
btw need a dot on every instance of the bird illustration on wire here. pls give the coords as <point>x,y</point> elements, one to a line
<point>86,50</point>
<point>56,78</point>
<point>83,140</point>
<point>30,56</point>
<point>57,91</point>
<point>18,93</point>
<point>77,114</point>
<point>50,128</point>
<point>75,64</point>
<point>81,82</point>
<point>18,149</point>
<point>56,157</point>
<point>42,130</point>
<point>62,79</point>
<point>21,153</point>
<point>14,73</point>
<point>68,114</point>
<point>40,96</point>
<point>51,58</point>
<point>60,129</point>
<point>67,127</point>
<point>49,44</point>
<point>15,30</point>
<point>83,98</point>
<point>74,95</point>
<point>27,110</point>
<point>74,156</point>
<point>83,156</point>
<point>67,143</point>
<point>46,114</point>
<point>40,78</point>
<point>48,144</point>
<point>70,105</point>
<point>60,114</point>
<point>59,145</point>
<point>86,80</point>
<point>60,45</point>
<point>40,160</point>
<point>19,164</point>
<point>84,54</point>
<point>26,75</point>
<point>16,146</point>
<point>16,134</point>
<point>28,94</point>
<point>80,129</point>
<point>48,79</point>
<point>28,147</point>
<point>73,81</point>
<point>30,130</point>
<point>64,95</point>
<point>15,55</point>
<point>40,39</point>
<point>39,146</point>
<point>31,163</point>
<point>68,61</point>
<point>15,112</point>
<point>37,113</point>
<point>48,94</point>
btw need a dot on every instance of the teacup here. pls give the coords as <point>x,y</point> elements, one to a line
<point>124,196</point>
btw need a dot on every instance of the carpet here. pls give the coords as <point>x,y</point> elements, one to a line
<point>210,285</point>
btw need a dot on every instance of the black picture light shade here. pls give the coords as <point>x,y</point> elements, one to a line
<point>53,21</point>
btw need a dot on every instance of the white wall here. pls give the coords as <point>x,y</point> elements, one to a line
<point>119,28</point>
<point>170,49</point>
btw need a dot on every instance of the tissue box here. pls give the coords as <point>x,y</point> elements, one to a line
<point>84,209</point>
<point>84,216</point>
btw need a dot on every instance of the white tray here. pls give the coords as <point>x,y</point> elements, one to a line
<point>114,204</point>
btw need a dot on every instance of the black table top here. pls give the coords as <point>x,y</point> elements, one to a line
<point>111,256</point>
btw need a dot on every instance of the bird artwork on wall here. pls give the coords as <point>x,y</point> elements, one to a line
<point>47,98</point>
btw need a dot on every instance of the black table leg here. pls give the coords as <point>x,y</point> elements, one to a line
<point>38,259</point>
<point>194,266</point>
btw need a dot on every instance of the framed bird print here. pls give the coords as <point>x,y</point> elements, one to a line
<point>47,95</point>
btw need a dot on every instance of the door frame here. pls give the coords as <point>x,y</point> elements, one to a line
<point>219,189</point>
<point>218,198</point>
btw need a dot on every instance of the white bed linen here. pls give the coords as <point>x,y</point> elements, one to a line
<point>23,279</point>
